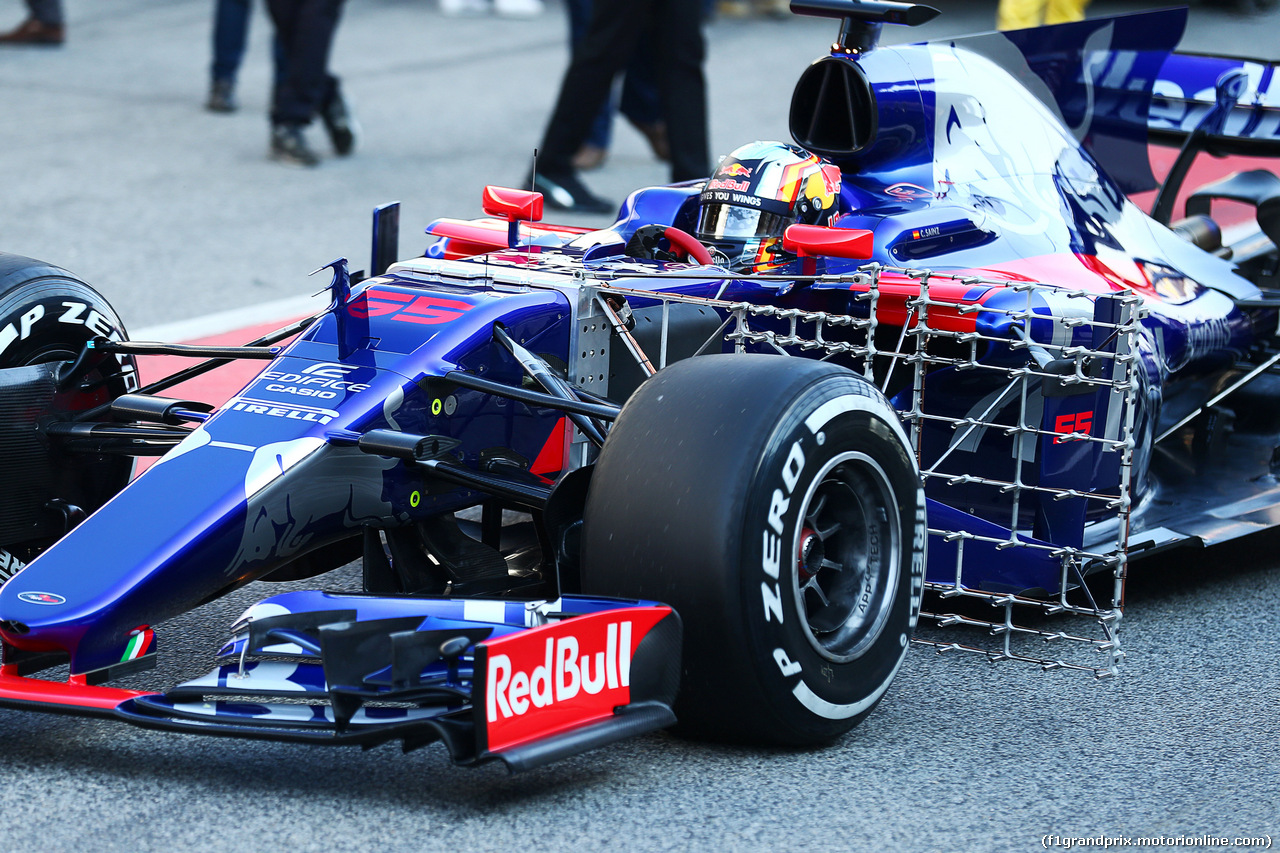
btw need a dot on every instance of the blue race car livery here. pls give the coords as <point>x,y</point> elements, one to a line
<point>590,494</point>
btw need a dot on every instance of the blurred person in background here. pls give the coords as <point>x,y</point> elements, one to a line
<point>44,25</point>
<point>674,30</point>
<point>304,87</point>
<point>638,100</point>
<point>230,35</point>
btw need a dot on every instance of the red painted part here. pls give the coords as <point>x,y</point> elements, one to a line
<point>897,290</point>
<point>512,205</point>
<point>691,246</point>
<point>815,241</point>
<point>74,693</point>
<point>456,249</point>
<point>407,308</point>
<point>552,455</point>
<point>802,565</point>
<point>469,237</point>
<point>1072,272</point>
<point>560,677</point>
<point>1087,273</point>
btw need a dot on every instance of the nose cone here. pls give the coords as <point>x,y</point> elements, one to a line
<point>35,606</point>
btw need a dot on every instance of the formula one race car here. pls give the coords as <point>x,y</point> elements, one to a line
<point>995,353</point>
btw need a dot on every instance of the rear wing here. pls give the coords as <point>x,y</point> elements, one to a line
<point>1184,96</point>
<point>1117,85</point>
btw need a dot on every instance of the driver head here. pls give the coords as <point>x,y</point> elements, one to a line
<point>755,193</point>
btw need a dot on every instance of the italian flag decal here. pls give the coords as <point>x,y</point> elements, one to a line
<point>142,642</point>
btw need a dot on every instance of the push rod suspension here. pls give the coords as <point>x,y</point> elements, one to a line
<point>539,371</point>
<point>533,398</point>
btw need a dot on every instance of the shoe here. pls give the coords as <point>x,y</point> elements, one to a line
<point>518,8</point>
<point>566,192</point>
<point>289,146</point>
<point>589,158</point>
<point>341,125</point>
<point>222,97</point>
<point>656,133</point>
<point>32,31</point>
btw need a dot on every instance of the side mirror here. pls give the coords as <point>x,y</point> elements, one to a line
<point>817,241</point>
<point>512,205</point>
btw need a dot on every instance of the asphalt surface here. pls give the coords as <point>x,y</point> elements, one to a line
<point>110,166</point>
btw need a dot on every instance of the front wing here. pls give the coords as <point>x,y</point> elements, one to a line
<point>522,682</point>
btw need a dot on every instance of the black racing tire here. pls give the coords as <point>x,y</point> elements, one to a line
<point>715,470</point>
<point>47,314</point>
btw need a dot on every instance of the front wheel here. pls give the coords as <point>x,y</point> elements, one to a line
<point>46,317</point>
<point>775,504</point>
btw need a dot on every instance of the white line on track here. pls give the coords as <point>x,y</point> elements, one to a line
<point>278,311</point>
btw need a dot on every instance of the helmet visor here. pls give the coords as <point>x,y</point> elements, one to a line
<point>734,222</point>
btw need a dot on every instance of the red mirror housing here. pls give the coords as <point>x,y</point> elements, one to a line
<point>816,241</point>
<point>512,205</point>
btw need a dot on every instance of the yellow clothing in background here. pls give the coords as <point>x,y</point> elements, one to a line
<point>1021,14</point>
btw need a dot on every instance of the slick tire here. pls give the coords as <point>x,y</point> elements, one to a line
<point>46,316</point>
<point>774,503</point>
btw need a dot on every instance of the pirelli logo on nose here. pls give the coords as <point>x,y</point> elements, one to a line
<point>562,676</point>
<point>276,410</point>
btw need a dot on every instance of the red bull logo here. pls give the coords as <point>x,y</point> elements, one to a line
<point>736,170</point>
<point>726,184</point>
<point>561,676</point>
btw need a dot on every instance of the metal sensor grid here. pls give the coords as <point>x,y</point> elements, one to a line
<point>918,323</point>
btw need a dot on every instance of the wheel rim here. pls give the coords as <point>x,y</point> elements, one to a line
<point>847,554</point>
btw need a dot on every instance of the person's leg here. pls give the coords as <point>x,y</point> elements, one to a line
<point>608,45</point>
<point>579,12</point>
<point>341,125</point>
<point>230,33</point>
<point>48,12</point>
<point>318,25</point>
<point>640,101</point>
<point>282,14</point>
<point>305,29</point>
<point>592,153</point>
<point>289,112</point>
<point>679,54</point>
<point>606,48</point>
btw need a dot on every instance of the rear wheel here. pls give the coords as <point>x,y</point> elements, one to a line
<point>46,317</point>
<point>774,503</point>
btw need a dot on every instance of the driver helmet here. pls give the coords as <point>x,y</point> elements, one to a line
<point>755,193</point>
